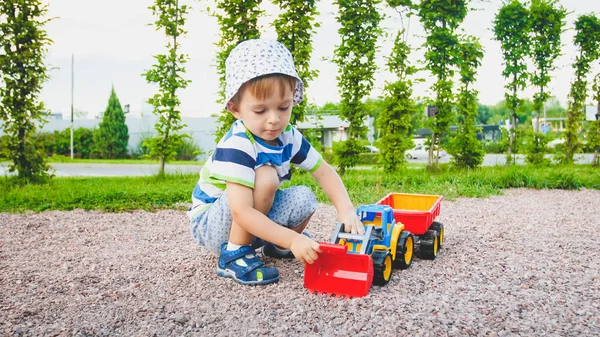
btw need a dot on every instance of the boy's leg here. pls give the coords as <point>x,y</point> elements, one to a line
<point>293,207</point>
<point>266,183</point>
<point>241,263</point>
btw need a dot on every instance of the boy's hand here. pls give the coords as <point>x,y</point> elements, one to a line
<point>352,223</point>
<point>305,249</point>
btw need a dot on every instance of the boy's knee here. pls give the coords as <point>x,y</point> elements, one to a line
<point>266,180</point>
<point>307,197</point>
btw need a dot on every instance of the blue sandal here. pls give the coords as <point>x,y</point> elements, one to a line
<point>244,267</point>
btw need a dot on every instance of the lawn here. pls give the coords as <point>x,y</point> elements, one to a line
<point>364,185</point>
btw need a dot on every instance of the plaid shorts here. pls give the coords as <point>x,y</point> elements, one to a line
<point>291,207</point>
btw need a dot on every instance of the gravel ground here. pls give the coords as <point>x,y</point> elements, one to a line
<point>525,263</point>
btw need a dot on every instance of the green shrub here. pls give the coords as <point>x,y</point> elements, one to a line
<point>4,153</point>
<point>536,147</point>
<point>329,157</point>
<point>187,149</point>
<point>495,147</point>
<point>368,159</point>
<point>59,142</point>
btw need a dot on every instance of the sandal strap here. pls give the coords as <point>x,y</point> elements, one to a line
<point>256,264</point>
<point>234,255</point>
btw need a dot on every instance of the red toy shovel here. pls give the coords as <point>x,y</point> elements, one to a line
<point>336,272</point>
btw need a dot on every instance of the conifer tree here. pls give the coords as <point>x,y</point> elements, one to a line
<point>112,135</point>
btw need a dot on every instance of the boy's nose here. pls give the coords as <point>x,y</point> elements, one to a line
<point>274,117</point>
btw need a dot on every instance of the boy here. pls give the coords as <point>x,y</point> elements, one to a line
<point>237,204</point>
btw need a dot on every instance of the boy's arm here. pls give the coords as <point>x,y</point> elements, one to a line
<point>334,188</point>
<point>244,214</point>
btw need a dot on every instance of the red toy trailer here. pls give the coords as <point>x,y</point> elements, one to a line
<point>417,212</point>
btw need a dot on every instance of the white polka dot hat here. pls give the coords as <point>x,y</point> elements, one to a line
<point>258,57</point>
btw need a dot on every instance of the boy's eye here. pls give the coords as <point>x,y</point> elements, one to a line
<point>284,109</point>
<point>259,111</point>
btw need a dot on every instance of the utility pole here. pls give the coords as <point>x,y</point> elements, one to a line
<point>72,87</point>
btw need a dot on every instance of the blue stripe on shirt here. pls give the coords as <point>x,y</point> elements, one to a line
<point>302,153</point>
<point>268,158</point>
<point>286,177</point>
<point>234,156</point>
<point>202,196</point>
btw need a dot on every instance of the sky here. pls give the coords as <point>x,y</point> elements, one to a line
<point>113,43</point>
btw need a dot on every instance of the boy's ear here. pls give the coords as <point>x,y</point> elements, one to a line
<point>234,109</point>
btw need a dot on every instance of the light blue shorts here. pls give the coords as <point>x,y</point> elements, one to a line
<point>291,207</point>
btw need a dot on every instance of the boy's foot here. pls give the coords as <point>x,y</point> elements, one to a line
<point>244,267</point>
<point>272,250</point>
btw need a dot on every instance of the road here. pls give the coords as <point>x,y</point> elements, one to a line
<point>120,170</point>
<point>111,170</point>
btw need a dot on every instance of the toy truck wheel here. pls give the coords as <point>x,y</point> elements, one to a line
<point>382,267</point>
<point>439,227</point>
<point>404,250</point>
<point>429,245</point>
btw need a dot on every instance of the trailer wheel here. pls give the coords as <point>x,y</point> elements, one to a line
<point>439,227</point>
<point>428,248</point>
<point>382,267</point>
<point>404,250</point>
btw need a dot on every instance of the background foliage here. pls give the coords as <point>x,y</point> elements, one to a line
<point>24,45</point>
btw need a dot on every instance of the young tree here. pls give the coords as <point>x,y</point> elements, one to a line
<point>112,135</point>
<point>167,73</point>
<point>294,29</point>
<point>511,28</point>
<point>547,20</point>
<point>594,131</point>
<point>355,58</point>
<point>465,148</point>
<point>238,22</point>
<point>441,19</point>
<point>395,119</point>
<point>587,40</point>
<point>24,44</point>
<point>547,25</point>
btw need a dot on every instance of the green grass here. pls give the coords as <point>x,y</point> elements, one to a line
<point>62,159</point>
<point>364,186</point>
<point>114,194</point>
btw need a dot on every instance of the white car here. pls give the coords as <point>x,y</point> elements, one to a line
<point>420,151</point>
<point>372,149</point>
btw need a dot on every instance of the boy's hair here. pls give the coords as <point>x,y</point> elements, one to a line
<point>263,86</point>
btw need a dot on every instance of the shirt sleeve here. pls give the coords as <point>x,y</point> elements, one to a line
<point>234,161</point>
<point>303,154</point>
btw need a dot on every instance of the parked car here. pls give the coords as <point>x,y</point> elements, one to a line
<point>372,149</point>
<point>420,151</point>
<point>553,143</point>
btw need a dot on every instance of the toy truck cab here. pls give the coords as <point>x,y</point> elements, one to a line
<point>385,240</point>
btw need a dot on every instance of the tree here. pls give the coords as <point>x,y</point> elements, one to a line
<point>355,58</point>
<point>24,44</point>
<point>239,22</point>
<point>112,135</point>
<point>511,28</point>
<point>441,19</point>
<point>594,131</point>
<point>394,120</point>
<point>294,29</point>
<point>587,40</point>
<point>465,147</point>
<point>547,24</point>
<point>167,73</point>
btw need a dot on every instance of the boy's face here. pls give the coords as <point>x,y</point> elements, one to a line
<point>267,118</point>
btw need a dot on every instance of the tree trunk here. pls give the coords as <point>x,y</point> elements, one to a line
<point>430,162</point>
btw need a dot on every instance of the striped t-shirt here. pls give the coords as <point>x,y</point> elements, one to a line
<point>239,154</point>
